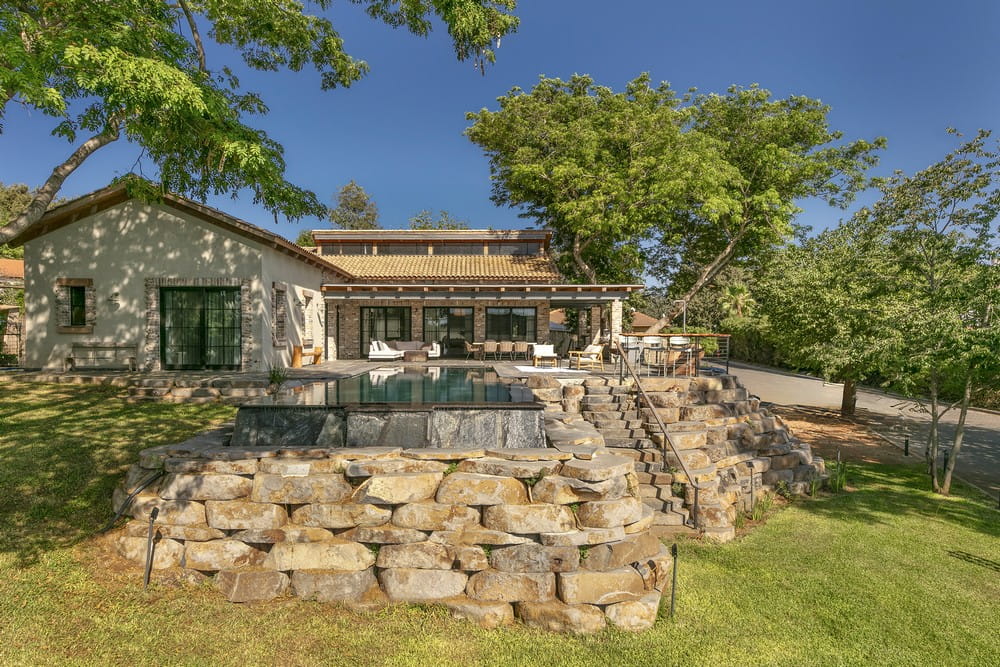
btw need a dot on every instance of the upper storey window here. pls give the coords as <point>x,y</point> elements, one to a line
<point>458,248</point>
<point>347,248</point>
<point>402,248</point>
<point>515,248</point>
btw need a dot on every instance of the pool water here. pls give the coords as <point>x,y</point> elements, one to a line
<point>420,386</point>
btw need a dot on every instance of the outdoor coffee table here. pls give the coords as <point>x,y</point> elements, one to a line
<point>414,355</point>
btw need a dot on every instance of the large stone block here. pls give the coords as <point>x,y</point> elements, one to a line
<point>463,488</point>
<point>399,488</point>
<point>476,535</point>
<point>298,490</point>
<point>589,587</point>
<point>369,467</point>
<point>221,555</point>
<point>345,515</point>
<point>251,585</point>
<point>785,462</point>
<point>505,468</point>
<point>666,384</point>
<point>430,515</point>
<point>405,584</point>
<point>287,533</point>
<point>657,570</point>
<point>384,535</point>
<point>334,555</point>
<point>484,613</point>
<point>332,585</point>
<point>535,558</point>
<point>610,513</point>
<point>527,519</point>
<point>614,555</point>
<point>237,467</point>
<point>197,533</point>
<point>180,486</point>
<point>599,468</point>
<point>556,616</point>
<point>512,586</point>
<point>469,558</point>
<point>166,552</point>
<point>173,512</point>
<point>422,555</point>
<point>582,537</point>
<point>243,515</point>
<point>634,615</point>
<point>561,490</point>
<point>668,399</point>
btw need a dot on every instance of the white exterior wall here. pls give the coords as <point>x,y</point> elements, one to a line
<point>123,246</point>
<point>301,281</point>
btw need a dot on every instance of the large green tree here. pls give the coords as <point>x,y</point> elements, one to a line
<point>425,220</point>
<point>941,231</point>
<point>105,70</point>
<point>689,182</point>
<point>355,209</point>
<point>13,200</point>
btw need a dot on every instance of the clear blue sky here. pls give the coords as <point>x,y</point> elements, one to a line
<point>901,69</point>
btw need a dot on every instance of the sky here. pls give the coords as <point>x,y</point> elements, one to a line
<point>902,69</point>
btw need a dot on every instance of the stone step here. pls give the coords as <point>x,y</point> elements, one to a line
<point>636,443</point>
<point>621,432</point>
<point>655,478</point>
<point>595,399</point>
<point>610,413</point>
<point>671,531</point>
<point>648,466</point>
<point>670,504</point>
<point>619,423</point>
<point>669,519</point>
<point>603,389</point>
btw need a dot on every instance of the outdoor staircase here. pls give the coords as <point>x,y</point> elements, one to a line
<point>611,407</point>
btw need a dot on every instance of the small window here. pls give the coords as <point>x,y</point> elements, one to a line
<point>77,306</point>
<point>346,248</point>
<point>279,309</point>
<point>458,248</point>
<point>402,249</point>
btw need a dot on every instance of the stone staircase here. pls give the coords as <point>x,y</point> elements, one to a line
<point>727,442</point>
<point>611,407</point>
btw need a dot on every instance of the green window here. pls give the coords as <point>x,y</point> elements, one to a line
<point>77,306</point>
<point>200,327</point>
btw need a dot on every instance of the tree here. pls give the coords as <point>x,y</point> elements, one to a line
<point>736,300</point>
<point>941,231</point>
<point>694,182</point>
<point>826,307</point>
<point>425,220</point>
<point>355,209</point>
<point>13,199</point>
<point>305,239</point>
<point>140,70</point>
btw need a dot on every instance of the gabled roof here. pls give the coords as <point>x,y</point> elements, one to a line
<point>412,235</point>
<point>100,200</point>
<point>457,268</point>
<point>11,268</point>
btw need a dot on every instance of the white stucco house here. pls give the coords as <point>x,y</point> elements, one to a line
<point>114,281</point>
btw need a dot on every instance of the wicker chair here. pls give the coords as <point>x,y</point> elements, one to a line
<point>590,357</point>
<point>506,347</point>
<point>520,349</point>
<point>490,347</point>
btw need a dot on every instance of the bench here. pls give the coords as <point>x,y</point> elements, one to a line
<point>102,355</point>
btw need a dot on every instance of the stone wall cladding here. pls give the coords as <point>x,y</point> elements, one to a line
<point>349,336</point>
<point>153,285</point>
<point>378,525</point>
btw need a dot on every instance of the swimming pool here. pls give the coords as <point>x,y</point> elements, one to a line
<point>397,406</point>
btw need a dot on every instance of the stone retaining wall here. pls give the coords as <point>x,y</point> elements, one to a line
<point>555,537</point>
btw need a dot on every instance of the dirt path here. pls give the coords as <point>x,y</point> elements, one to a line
<point>828,433</point>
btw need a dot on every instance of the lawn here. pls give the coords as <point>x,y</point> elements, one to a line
<point>884,574</point>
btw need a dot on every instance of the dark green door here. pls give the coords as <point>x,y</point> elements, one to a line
<point>200,328</point>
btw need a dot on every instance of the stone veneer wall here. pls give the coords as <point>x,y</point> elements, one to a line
<point>558,539</point>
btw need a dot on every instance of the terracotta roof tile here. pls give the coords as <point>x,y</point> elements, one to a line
<point>459,268</point>
<point>11,268</point>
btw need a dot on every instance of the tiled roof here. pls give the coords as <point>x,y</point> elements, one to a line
<point>459,268</point>
<point>11,268</point>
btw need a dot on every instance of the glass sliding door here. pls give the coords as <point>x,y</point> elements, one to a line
<point>450,327</point>
<point>384,324</point>
<point>200,327</point>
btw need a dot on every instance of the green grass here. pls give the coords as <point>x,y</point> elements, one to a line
<point>886,574</point>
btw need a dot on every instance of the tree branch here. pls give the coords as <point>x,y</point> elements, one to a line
<point>45,194</point>
<point>195,35</point>
<point>580,263</point>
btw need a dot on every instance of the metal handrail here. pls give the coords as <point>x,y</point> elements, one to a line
<point>667,440</point>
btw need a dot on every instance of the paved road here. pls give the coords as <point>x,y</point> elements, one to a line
<point>978,462</point>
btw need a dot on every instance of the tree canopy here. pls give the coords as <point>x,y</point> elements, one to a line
<point>140,70</point>
<point>426,220</point>
<point>355,209</point>
<point>649,180</point>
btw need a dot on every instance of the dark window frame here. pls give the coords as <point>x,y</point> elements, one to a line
<point>507,330</point>
<point>367,324</point>
<point>77,305</point>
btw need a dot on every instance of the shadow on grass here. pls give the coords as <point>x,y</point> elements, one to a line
<point>63,448</point>
<point>882,492</point>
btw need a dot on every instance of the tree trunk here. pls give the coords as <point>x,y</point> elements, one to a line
<point>849,399</point>
<point>580,263</point>
<point>45,194</point>
<point>708,273</point>
<point>959,436</point>
<point>932,435</point>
